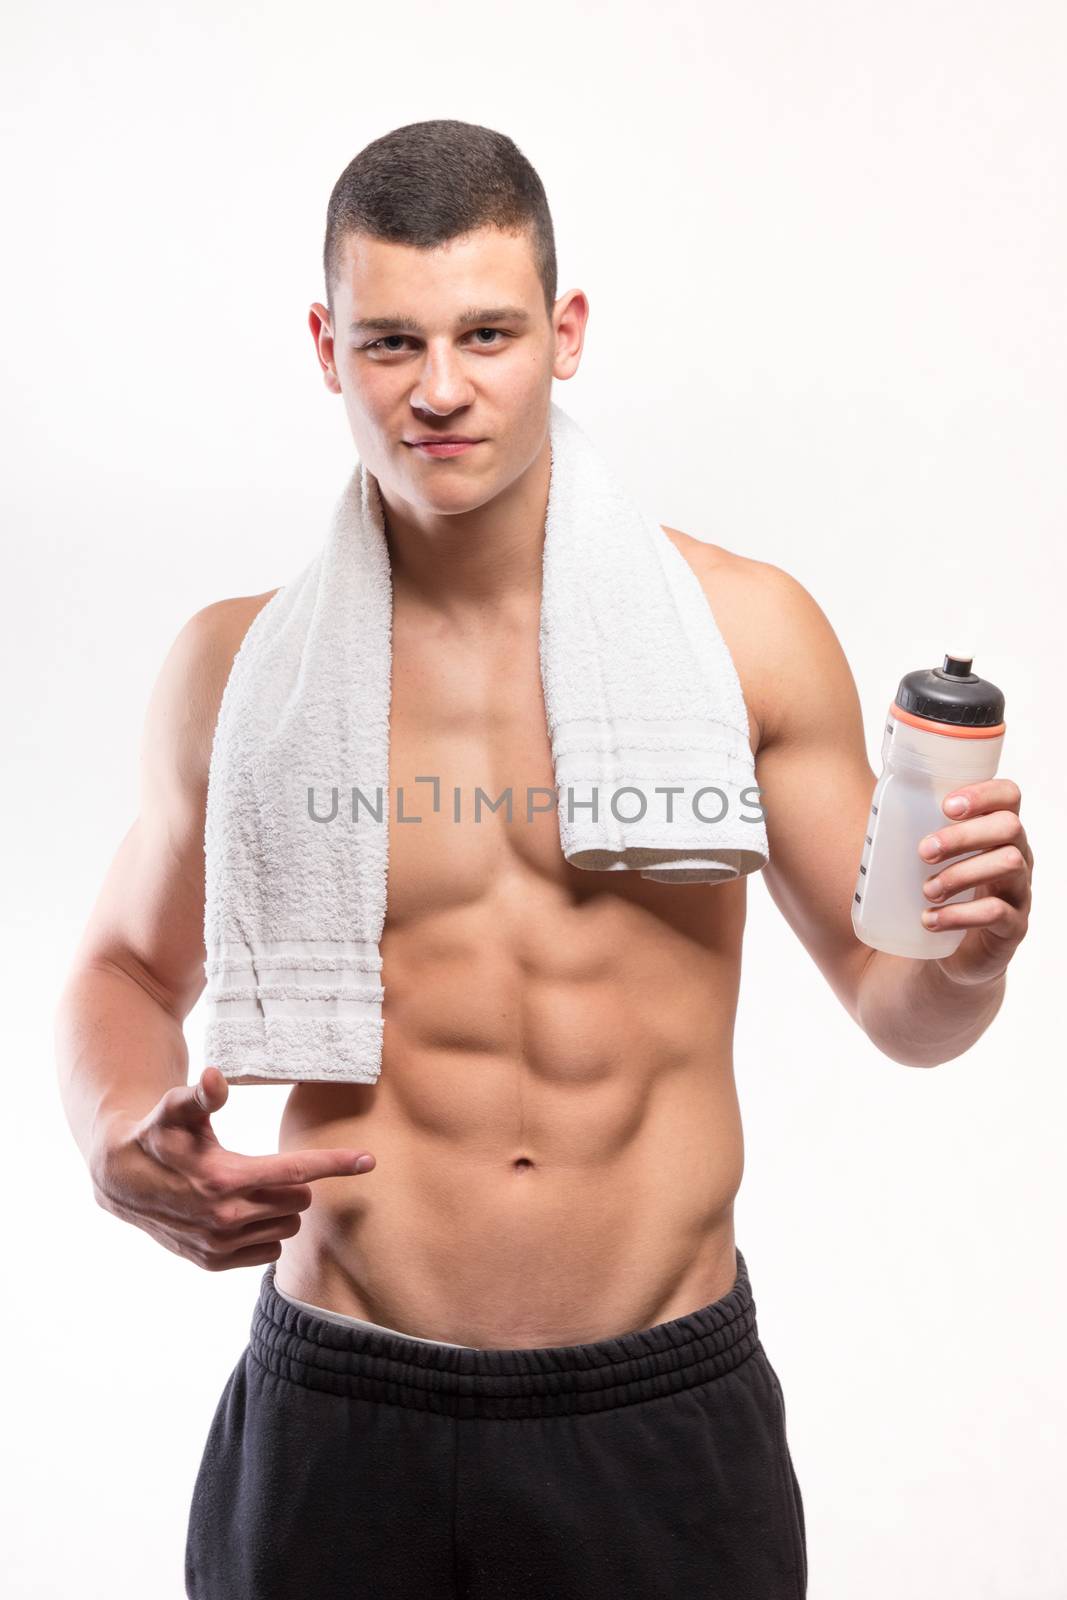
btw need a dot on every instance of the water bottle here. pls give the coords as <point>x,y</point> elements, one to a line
<point>944,729</point>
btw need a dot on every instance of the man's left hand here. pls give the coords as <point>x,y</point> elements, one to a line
<point>1001,872</point>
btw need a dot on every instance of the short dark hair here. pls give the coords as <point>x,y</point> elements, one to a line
<point>428,182</point>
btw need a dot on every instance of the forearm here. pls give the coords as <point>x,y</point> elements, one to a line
<point>118,1051</point>
<point>917,1015</point>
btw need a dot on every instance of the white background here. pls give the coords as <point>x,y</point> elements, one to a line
<point>824,247</point>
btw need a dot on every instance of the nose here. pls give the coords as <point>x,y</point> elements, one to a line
<point>442,386</point>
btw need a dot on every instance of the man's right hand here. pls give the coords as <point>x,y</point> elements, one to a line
<point>169,1175</point>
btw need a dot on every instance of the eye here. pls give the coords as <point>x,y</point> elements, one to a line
<point>376,344</point>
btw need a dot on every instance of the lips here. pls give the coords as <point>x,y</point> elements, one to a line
<point>444,447</point>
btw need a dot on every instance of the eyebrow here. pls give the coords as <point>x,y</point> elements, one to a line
<point>479,314</point>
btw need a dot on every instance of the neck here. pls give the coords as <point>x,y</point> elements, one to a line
<point>476,561</point>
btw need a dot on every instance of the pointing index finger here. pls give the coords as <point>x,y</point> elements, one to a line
<point>296,1166</point>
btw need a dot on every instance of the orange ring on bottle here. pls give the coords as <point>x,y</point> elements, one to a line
<point>954,730</point>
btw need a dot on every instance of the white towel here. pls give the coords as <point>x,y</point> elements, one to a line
<point>640,694</point>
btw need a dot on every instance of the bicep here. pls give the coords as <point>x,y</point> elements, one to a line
<point>148,916</point>
<point>816,787</point>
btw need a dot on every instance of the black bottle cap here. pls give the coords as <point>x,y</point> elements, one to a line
<point>952,693</point>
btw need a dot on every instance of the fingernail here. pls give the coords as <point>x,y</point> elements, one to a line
<point>364,1163</point>
<point>930,848</point>
<point>932,888</point>
<point>956,806</point>
<point>930,918</point>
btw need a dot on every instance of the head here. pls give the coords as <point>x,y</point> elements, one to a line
<point>441,313</point>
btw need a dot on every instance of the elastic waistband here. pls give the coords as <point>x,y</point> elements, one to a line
<point>541,1381</point>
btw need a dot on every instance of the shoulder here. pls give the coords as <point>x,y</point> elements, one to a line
<point>777,634</point>
<point>184,704</point>
<point>204,650</point>
<point>216,632</point>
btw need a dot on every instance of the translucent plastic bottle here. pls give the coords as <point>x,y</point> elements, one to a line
<point>944,729</point>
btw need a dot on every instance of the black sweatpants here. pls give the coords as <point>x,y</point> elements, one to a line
<point>343,1463</point>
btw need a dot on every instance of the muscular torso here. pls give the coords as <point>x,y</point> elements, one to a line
<point>556,1125</point>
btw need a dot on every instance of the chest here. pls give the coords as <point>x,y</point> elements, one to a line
<point>471,777</point>
<point>470,764</point>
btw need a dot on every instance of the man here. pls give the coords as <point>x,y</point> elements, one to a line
<point>554,1146</point>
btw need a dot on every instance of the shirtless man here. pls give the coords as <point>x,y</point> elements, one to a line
<point>554,1145</point>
